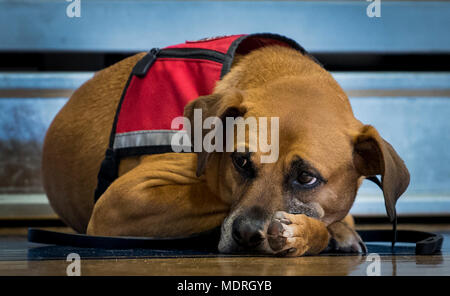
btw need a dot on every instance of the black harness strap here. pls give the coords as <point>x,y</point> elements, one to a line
<point>108,173</point>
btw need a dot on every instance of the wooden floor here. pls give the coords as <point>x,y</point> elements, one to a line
<point>15,260</point>
<point>313,266</point>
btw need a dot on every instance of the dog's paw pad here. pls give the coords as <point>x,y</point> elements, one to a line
<point>275,236</point>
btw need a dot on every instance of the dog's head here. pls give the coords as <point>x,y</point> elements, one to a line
<point>324,155</point>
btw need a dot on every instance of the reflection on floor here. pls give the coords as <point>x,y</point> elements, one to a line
<point>18,257</point>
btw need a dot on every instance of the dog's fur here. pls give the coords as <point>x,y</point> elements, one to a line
<point>178,194</point>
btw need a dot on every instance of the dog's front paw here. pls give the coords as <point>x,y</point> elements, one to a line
<point>344,239</point>
<point>295,235</point>
<point>286,237</point>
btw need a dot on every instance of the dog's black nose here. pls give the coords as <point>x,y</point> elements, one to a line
<point>248,229</point>
<point>246,234</point>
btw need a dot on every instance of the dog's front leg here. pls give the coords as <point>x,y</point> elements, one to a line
<point>160,211</point>
<point>161,197</point>
<point>297,235</point>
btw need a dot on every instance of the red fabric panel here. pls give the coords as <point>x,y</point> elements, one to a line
<point>168,86</point>
<point>220,44</point>
<point>151,102</point>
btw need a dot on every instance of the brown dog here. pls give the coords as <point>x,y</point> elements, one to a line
<point>293,206</point>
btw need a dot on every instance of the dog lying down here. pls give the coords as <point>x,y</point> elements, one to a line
<point>287,193</point>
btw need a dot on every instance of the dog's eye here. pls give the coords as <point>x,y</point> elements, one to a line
<point>241,160</point>
<point>306,180</point>
<point>243,164</point>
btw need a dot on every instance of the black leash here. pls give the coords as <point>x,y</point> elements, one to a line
<point>202,242</point>
<point>426,243</point>
<point>377,181</point>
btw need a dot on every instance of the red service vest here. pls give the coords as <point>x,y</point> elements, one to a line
<point>159,87</point>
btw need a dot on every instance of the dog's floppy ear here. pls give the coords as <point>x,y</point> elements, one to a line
<point>374,156</point>
<point>217,105</point>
